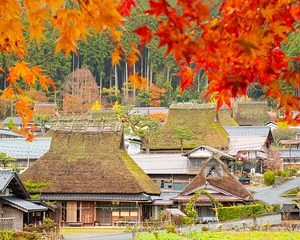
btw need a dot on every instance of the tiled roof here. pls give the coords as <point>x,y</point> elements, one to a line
<point>19,148</point>
<point>288,208</point>
<point>8,132</point>
<point>16,120</point>
<point>10,178</point>
<point>247,131</point>
<point>5,177</point>
<point>290,153</point>
<point>94,197</point>
<point>246,144</point>
<point>162,163</point>
<point>23,205</point>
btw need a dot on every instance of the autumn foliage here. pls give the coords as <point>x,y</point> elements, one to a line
<point>242,45</point>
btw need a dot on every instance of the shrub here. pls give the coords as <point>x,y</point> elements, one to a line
<point>276,208</point>
<point>269,178</point>
<point>238,212</point>
<point>170,228</point>
<point>26,236</point>
<point>205,229</point>
<point>6,235</point>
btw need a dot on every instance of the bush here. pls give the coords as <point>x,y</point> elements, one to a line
<point>26,236</point>
<point>170,228</point>
<point>11,235</point>
<point>269,178</point>
<point>238,212</point>
<point>7,235</point>
<point>205,229</point>
<point>276,208</point>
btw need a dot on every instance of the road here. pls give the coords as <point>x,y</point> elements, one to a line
<point>272,219</point>
<point>272,195</point>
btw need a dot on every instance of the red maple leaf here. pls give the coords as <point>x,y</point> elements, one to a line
<point>144,33</point>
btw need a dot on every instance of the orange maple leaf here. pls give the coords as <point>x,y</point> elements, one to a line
<point>115,58</point>
<point>137,81</point>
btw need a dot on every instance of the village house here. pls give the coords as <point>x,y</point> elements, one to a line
<point>219,183</point>
<point>250,144</point>
<point>91,178</point>
<point>23,151</point>
<point>290,158</point>
<point>174,171</point>
<point>16,209</point>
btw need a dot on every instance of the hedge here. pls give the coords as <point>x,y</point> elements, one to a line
<point>11,235</point>
<point>245,211</point>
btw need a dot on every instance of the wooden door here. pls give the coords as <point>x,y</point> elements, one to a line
<point>87,213</point>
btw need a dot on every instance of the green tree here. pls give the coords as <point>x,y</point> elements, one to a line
<point>6,159</point>
<point>269,178</point>
<point>182,133</point>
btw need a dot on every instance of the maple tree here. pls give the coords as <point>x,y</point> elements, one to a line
<point>241,46</point>
<point>237,45</point>
<point>156,93</point>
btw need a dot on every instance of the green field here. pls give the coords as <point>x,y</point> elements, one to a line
<point>224,236</point>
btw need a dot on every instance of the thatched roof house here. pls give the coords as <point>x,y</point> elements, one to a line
<point>89,168</point>
<point>201,120</point>
<point>89,163</point>
<point>218,181</point>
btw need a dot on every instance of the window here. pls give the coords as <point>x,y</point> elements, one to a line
<point>64,211</point>
<point>195,163</point>
<point>179,185</point>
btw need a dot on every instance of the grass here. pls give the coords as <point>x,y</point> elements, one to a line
<point>251,235</point>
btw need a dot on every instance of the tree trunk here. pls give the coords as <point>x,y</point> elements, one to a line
<point>116,80</point>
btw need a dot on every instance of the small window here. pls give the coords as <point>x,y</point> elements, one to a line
<point>195,163</point>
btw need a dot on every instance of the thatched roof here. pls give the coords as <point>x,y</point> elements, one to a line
<point>251,113</point>
<point>214,173</point>
<point>89,162</point>
<point>200,119</point>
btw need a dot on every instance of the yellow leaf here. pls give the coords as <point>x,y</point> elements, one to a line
<point>137,81</point>
<point>115,58</point>
<point>96,106</point>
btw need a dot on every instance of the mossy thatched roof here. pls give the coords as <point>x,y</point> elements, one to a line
<point>200,119</point>
<point>91,162</point>
<point>251,113</point>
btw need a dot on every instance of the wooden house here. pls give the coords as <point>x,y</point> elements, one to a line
<point>250,144</point>
<point>16,209</point>
<point>215,179</point>
<point>201,120</point>
<point>91,178</point>
<point>174,171</point>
